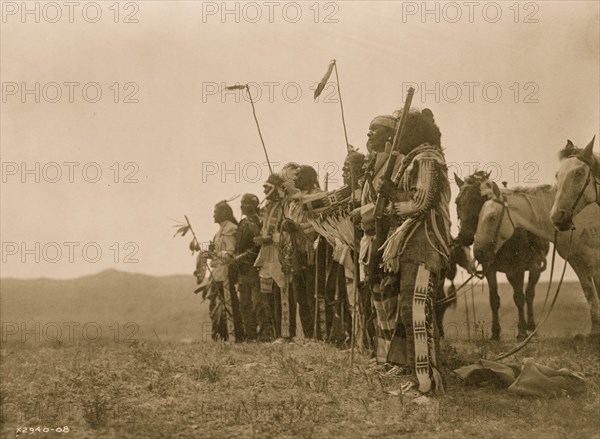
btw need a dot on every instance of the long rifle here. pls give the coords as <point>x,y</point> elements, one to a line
<point>393,157</point>
<point>380,228</point>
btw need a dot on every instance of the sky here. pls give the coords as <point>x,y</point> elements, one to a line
<point>115,122</point>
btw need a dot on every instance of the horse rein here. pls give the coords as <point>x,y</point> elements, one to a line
<point>506,210</point>
<point>588,180</point>
<point>478,274</point>
<point>456,296</point>
<point>539,325</point>
<point>560,282</point>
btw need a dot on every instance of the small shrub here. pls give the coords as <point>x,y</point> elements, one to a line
<point>211,372</point>
<point>290,366</point>
<point>152,358</point>
<point>96,410</point>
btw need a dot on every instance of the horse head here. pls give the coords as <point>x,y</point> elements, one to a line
<point>577,184</point>
<point>468,205</point>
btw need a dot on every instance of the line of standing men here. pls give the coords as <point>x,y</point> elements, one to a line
<point>262,268</point>
<point>401,268</point>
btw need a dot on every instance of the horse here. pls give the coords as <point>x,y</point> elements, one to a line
<point>522,252</point>
<point>577,184</point>
<point>529,208</point>
<point>459,256</point>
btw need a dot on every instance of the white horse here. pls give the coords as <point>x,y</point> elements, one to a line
<point>577,183</point>
<point>529,208</point>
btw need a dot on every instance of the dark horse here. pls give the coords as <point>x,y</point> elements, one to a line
<point>523,252</point>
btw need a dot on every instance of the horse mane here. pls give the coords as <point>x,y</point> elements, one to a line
<point>477,177</point>
<point>536,196</point>
<point>573,151</point>
<point>522,190</point>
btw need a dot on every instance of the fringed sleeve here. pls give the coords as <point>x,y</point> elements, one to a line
<point>422,189</point>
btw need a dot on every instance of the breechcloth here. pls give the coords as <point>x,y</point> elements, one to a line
<point>284,306</point>
<point>265,311</point>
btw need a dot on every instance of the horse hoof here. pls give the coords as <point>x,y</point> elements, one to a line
<point>521,337</point>
<point>531,326</point>
<point>495,337</point>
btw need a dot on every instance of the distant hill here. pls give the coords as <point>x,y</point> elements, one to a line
<point>160,306</point>
<point>166,308</point>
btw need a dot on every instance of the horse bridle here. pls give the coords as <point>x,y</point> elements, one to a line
<point>588,180</point>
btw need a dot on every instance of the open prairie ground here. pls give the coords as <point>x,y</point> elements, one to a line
<point>167,379</point>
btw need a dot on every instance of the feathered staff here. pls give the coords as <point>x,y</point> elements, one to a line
<point>182,230</point>
<point>201,265</point>
<point>320,86</point>
<point>245,87</point>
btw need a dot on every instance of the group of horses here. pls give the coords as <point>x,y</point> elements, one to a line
<point>511,228</point>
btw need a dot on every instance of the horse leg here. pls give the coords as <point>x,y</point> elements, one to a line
<point>595,305</point>
<point>494,303</point>
<point>590,291</point>
<point>440,310</point>
<point>534,277</point>
<point>516,279</point>
<point>448,297</point>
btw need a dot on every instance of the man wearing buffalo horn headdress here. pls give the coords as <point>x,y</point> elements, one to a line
<point>415,252</point>
<point>224,301</point>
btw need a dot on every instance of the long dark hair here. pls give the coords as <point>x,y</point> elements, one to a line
<point>420,128</point>
<point>309,175</point>
<point>227,211</point>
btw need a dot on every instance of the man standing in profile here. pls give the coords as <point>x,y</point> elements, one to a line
<point>225,313</point>
<point>415,253</point>
<point>252,308</point>
<point>380,136</point>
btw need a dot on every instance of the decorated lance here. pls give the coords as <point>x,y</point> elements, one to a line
<point>182,230</point>
<point>242,87</point>
<point>193,234</point>
<point>320,86</point>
